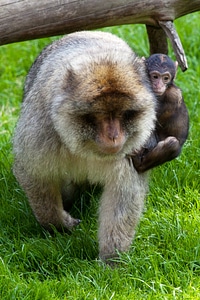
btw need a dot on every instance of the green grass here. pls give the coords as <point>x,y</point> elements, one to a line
<point>164,260</point>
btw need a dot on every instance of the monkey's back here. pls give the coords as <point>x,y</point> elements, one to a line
<point>173,117</point>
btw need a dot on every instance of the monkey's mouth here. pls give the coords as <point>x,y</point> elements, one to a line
<point>110,150</point>
<point>103,150</point>
<point>158,93</point>
<point>110,144</point>
<point>99,149</point>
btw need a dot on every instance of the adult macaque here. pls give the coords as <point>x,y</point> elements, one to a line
<point>172,123</point>
<point>87,104</point>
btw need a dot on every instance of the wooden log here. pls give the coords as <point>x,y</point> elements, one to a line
<point>157,39</point>
<point>29,19</point>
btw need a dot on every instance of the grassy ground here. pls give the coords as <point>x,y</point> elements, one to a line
<point>164,261</point>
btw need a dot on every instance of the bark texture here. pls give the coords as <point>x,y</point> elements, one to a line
<point>22,20</point>
<point>29,19</point>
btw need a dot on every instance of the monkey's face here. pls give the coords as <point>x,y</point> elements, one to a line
<point>107,113</point>
<point>162,71</point>
<point>108,123</point>
<point>160,81</point>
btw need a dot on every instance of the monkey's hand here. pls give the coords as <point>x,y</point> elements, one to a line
<point>165,150</point>
<point>137,157</point>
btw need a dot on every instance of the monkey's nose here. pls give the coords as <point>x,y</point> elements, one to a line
<point>114,138</point>
<point>113,135</point>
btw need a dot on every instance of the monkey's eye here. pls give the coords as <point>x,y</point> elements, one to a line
<point>155,76</point>
<point>129,115</point>
<point>88,119</point>
<point>166,78</point>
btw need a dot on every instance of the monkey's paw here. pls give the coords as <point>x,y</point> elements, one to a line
<point>171,146</point>
<point>68,221</point>
<point>137,161</point>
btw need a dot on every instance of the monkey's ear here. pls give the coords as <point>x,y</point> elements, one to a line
<point>143,58</point>
<point>176,68</point>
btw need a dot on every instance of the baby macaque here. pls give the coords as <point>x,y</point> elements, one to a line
<point>87,104</point>
<point>172,116</point>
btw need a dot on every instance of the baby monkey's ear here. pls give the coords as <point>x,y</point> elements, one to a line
<point>176,68</point>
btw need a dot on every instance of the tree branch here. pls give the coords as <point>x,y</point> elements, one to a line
<point>170,31</point>
<point>29,19</point>
<point>157,40</point>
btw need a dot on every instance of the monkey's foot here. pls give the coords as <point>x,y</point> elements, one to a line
<point>171,147</point>
<point>63,222</point>
<point>68,221</point>
<point>137,161</point>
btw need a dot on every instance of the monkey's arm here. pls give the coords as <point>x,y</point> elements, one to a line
<point>120,209</point>
<point>165,151</point>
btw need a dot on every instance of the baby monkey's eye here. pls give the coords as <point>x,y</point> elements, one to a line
<point>154,75</point>
<point>166,78</point>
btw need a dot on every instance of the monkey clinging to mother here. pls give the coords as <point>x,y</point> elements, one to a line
<point>172,123</point>
<point>88,104</point>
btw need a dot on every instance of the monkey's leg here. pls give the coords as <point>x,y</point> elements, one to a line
<point>164,151</point>
<point>68,192</point>
<point>46,202</point>
<point>120,210</point>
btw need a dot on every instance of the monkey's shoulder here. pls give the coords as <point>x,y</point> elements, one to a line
<point>173,96</point>
<point>170,102</point>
